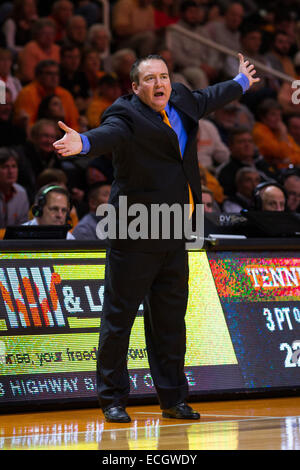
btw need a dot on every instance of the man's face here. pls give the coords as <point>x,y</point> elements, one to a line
<point>282,44</point>
<point>248,184</point>
<point>251,42</point>
<point>46,37</point>
<point>46,138</point>
<point>55,210</point>
<point>292,187</point>
<point>9,172</point>
<point>101,40</point>
<point>49,77</point>
<point>71,60</point>
<point>191,16</point>
<point>64,12</point>
<point>207,200</point>
<point>242,147</point>
<point>154,87</point>
<point>272,199</point>
<point>92,62</point>
<point>78,30</point>
<point>272,119</point>
<point>234,17</point>
<point>101,197</point>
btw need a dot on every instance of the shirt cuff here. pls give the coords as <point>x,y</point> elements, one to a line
<point>243,81</point>
<point>86,146</point>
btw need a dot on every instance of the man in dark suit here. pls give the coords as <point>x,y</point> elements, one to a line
<point>155,162</point>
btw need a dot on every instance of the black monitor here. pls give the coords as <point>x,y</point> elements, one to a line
<point>36,232</point>
<point>273,223</point>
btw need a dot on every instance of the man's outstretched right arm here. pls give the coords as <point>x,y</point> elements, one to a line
<point>99,141</point>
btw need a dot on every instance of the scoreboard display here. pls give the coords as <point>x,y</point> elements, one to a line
<point>242,320</point>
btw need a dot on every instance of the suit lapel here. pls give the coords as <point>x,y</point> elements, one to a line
<point>182,106</point>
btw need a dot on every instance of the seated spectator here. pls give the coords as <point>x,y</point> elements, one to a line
<point>91,64</point>
<point>121,64</point>
<point>38,154</point>
<point>278,57</point>
<point>210,205</point>
<point>76,32</point>
<point>211,151</point>
<point>291,184</point>
<point>133,25</point>
<point>46,83</point>
<point>12,83</point>
<point>270,197</point>
<point>108,91</point>
<point>51,207</point>
<point>195,61</point>
<point>56,176</point>
<point>251,40</point>
<point>86,227</point>
<point>164,13</point>
<point>246,180</point>
<point>293,126</point>
<point>11,134</point>
<point>99,38</point>
<point>243,154</point>
<point>272,138</point>
<point>14,204</point>
<point>286,17</point>
<point>42,47</point>
<point>71,77</point>
<point>17,28</point>
<point>61,12</point>
<point>227,32</point>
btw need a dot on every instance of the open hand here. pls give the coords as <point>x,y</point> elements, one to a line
<point>70,143</point>
<point>247,69</point>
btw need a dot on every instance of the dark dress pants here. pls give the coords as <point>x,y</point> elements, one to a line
<point>160,280</point>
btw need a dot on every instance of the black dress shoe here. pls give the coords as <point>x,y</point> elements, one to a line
<point>116,414</point>
<point>180,411</point>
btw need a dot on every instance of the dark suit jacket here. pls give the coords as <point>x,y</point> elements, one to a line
<point>146,156</point>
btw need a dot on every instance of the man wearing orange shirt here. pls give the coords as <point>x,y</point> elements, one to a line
<point>46,83</point>
<point>42,47</point>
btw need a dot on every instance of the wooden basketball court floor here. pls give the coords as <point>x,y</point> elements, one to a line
<point>259,424</point>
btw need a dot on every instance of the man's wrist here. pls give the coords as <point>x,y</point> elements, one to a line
<point>85,144</point>
<point>242,80</point>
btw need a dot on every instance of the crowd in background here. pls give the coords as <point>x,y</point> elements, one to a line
<point>61,61</point>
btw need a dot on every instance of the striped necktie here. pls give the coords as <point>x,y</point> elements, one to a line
<point>191,201</point>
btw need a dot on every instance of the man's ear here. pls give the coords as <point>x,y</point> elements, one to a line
<point>134,87</point>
